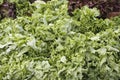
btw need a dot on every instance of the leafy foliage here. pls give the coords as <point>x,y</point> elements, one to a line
<point>7,10</point>
<point>51,45</point>
<point>108,8</point>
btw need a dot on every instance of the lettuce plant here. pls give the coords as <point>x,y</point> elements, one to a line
<point>51,45</point>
